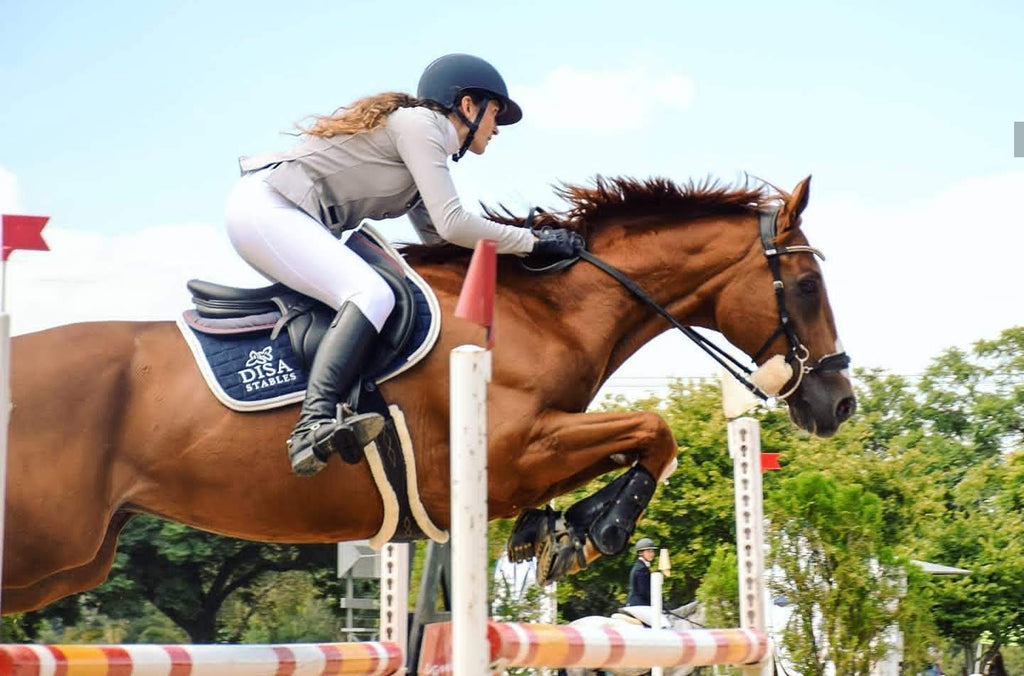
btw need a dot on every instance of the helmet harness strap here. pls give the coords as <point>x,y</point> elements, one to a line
<point>473,126</point>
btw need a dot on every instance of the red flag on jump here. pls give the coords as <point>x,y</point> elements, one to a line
<point>770,461</point>
<point>476,300</point>
<point>23,232</point>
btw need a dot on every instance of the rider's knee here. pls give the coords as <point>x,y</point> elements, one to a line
<point>376,300</point>
<point>381,296</point>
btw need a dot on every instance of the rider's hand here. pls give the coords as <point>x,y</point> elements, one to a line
<point>557,244</point>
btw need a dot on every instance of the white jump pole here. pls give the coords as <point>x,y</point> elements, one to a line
<point>657,586</point>
<point>662,568</point>
<point>470,372</point>
<point>5,415</point>
<point>394,595</point>
<point>745,450</point>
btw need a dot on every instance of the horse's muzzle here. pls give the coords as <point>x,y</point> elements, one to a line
<point>822,403</point>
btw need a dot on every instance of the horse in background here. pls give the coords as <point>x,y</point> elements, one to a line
<point>687,616</point>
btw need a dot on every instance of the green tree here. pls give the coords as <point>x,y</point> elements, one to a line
<point>188,575</point>
<point>917,448</point>
<point>719,591</point>
<point>286,607</point>
<point>842,581</point>
<point>972,407</point>
<point>984,534</point>
<point>974,402</point>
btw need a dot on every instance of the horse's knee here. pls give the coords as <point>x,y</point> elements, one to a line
<point>661,444</point>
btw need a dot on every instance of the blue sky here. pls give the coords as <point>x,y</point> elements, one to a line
<point>123,122</point>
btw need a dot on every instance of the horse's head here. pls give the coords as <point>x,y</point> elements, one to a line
<point>776,304</point>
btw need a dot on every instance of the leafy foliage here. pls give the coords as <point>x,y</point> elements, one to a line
<point>719,592</point>
<point>842,581</point>
<point>188,576</point>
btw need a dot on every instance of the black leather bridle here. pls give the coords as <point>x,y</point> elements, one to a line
<point>798,354</point>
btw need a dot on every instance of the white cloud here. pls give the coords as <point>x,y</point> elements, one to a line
<point>139,276</point>
<point>909,280</point>
<point>605,101</point>
<point>10,194</point>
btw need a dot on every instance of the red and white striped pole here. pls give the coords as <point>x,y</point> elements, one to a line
<point>297,659</point>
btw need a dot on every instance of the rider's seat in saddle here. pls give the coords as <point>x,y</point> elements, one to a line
<point>306,319</point>
<point>234,336</point>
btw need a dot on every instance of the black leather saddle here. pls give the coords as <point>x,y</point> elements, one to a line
<point>306,319</point>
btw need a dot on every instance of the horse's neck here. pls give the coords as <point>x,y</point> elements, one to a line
<point>683,268</point>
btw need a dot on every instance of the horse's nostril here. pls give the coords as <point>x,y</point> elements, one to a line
<point>845,408</point>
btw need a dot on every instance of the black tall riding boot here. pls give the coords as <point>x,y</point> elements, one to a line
<point>323,429</point>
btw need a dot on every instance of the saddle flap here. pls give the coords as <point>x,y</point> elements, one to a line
<point>397,330</point>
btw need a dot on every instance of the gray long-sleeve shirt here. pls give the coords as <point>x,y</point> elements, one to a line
<point>398,168</point>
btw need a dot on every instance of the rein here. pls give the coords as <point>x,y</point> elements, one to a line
<point>726,360</point>
<point>798,352</point>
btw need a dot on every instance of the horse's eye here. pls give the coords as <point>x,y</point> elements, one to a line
<point>808,286</point>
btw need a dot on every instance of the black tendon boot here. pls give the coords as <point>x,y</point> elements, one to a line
<point>337,363</point>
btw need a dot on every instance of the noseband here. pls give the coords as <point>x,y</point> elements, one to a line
<point>798,354</point>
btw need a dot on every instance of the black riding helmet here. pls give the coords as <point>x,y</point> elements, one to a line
<point>453,75</point>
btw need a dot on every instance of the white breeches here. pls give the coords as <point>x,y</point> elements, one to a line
<point>285,244</point>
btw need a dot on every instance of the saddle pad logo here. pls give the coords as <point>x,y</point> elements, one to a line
<point>261,372</point>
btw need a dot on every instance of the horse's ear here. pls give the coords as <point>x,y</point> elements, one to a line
<point>797,202</point>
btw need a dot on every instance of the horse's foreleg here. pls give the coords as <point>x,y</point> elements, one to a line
<point>567,450</point>
<point>570,449</point>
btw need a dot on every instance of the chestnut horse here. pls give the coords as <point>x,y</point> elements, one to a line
<point>112,419</point>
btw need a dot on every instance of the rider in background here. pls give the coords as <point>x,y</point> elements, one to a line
<point>640,573</point>
<point>381,157</point>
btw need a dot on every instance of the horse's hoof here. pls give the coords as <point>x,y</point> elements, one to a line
<point>522,543</point>
<point>559,551</point>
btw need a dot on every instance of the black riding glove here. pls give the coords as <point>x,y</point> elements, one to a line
<point>555,244</point>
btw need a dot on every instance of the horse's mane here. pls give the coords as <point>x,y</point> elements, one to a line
<point>591,207</point>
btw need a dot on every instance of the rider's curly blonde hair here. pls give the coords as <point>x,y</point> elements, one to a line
<point>366,114</point>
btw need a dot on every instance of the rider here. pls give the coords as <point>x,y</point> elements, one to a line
<point>382,157</point>
<point>640,573</point>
